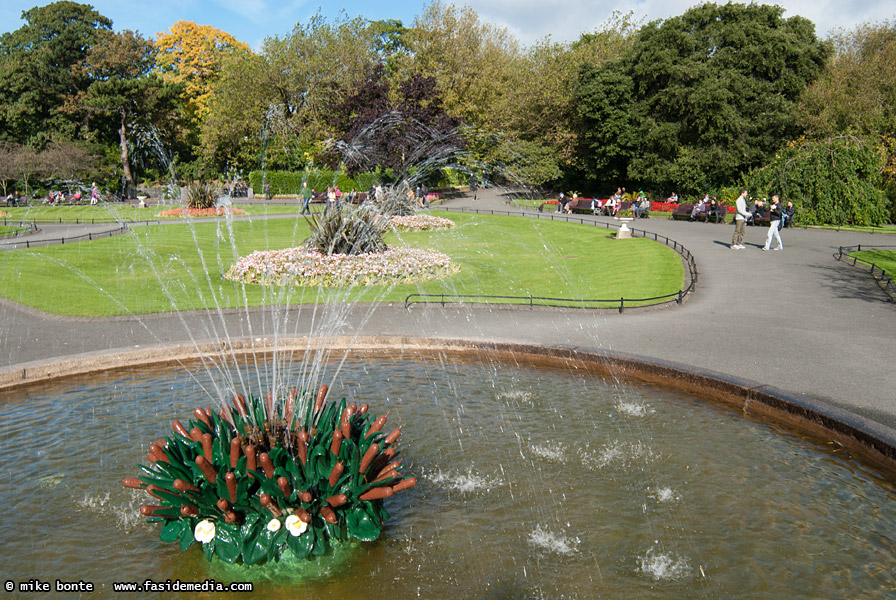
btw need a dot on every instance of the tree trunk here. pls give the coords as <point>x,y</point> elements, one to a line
<point>125,157</point>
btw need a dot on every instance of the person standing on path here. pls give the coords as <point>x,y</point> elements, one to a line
<point>306,198</point>
<point>740,221</point>
<point>774,223</point>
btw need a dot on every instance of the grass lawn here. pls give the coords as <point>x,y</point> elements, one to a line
<point>882,259</point>
<point>113,212</point>
<point>8,230</point>
<point>177,266</point>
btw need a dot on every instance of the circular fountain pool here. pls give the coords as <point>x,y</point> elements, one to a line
<point>534,483</point>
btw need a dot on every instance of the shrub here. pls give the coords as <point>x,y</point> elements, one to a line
<point>201,195</point>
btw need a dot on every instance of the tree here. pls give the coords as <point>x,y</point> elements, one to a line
<point>36,74</point>
<point>289,92</point>
<point>546,103</point>
<point>193,55</point>
<point>856,95</point>
<point>604,105</point>
<point>8,166</point>
<point>836,180</point>
<point>469,60</point>
<point>125,90</point>
<point>411,130</point>
<point>857,92</point>
<point>68,163</point>
<point>714,93</point>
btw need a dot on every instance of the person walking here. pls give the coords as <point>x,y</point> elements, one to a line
<point>740,221</point>
<point>774,223</point>
<point>307,193</point>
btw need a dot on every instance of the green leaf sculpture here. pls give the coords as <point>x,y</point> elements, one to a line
<point>263,477</point>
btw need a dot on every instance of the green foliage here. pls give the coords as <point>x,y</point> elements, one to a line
<point>834,181</point>
<point>352,231</point>
<point>201,194</point>
<point>290,182</point>
<point>264,477</point>
<point>39,70</point>
<point>712,93</point>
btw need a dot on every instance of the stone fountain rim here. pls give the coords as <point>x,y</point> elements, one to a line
<point>870,441</point>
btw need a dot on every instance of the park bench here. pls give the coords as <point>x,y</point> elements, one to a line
<point>589,205</point>
<point>683,212</point>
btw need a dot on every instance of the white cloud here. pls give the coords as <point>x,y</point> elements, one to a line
<point>566,20</point>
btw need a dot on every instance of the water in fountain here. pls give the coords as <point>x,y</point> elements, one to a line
<point>535,483</point>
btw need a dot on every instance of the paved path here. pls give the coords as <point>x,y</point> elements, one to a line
<point>797,319</point>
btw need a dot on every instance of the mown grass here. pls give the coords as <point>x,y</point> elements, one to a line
<point>126,213</point>
<point>178,266</point>
<point>882,259</point>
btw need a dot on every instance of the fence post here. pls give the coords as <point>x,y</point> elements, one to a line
<point>621,305</point>
<point>679,296</point>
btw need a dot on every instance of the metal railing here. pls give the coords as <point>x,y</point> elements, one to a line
<point>878,273</point>
<point>28,243</point>
<point>677,296</point>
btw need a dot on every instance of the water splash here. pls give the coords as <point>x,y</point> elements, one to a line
<point>664,494</point>
<point>555,451</point>
<point>664,566</point>
<point>617,454</point>
<point>634,408</point>
<point>467,483</point>
<point>553,542</point>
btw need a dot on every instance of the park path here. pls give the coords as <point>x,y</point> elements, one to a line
<point>798,320</point>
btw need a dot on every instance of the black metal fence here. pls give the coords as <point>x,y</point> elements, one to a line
<point>531,301</point>
<point>843,254</point>
<point>29,243</point>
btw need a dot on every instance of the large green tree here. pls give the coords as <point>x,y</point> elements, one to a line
<point>125,93</point>
<point>713,93</point>
<point>37,74</point>
<point>288,93</point>
<point>835,180</point>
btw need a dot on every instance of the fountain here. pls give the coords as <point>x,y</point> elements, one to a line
<point>541,473</point>
<point>264,475</point>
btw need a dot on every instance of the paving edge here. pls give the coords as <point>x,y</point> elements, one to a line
<point>868,440</point>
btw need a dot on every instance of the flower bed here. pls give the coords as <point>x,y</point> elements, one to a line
<point>201,212</point>
<point>301,266</point>
<point>420,223</point>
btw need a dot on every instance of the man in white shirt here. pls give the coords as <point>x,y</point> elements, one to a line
<point>740,221</point>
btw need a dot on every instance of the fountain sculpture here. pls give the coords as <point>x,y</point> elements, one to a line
<point>262,476</point>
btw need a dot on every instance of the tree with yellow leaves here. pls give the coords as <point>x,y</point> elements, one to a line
<point>193,55</point>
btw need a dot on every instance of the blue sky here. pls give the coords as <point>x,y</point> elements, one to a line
<point>528,20</point>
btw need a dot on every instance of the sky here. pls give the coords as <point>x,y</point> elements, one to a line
<point>252,21</point>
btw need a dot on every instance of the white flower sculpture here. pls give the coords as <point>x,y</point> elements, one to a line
<point>295,526</point>
<point>204,532</point>
<point>274,525</point>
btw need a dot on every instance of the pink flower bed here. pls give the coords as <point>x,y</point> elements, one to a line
<point>303,267</point>
<point>420,223</point>
<point>200,212</point>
